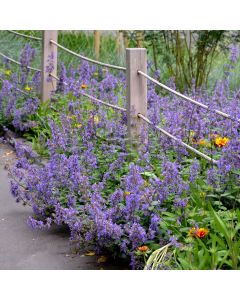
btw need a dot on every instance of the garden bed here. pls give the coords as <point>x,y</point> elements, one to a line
<point>113,198</point>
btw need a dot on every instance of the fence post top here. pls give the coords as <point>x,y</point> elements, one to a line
<point>136,49</point>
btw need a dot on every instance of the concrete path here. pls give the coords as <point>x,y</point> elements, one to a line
<point>25,249</point>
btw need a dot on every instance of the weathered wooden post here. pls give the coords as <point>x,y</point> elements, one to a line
<point>49,54</point>
<point>97,40</point>
<point>136,60</point>
<point>120,45</point>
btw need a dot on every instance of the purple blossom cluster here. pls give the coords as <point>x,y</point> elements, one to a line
<point>26,57</point>
<point>15,108</point>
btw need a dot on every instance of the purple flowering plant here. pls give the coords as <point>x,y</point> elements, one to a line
<point>17,105</point>
<point>111,197</point>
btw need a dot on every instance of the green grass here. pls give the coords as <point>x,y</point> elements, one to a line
<point>80,42</point>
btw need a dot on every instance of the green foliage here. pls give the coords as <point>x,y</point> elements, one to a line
<point>219,249</point>
<point>187,55</point>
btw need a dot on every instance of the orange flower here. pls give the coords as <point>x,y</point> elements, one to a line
<point>198,232</point>
<point>202,143</point>
<point>143,248</point>
<point>201,232</point>
<point>220,142</point>
<point>83,86</point>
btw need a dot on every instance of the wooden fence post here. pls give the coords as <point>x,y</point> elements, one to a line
<point>136,60</point>
<point>120,45</point>
<point>97,41</point>
<point>48,50</point>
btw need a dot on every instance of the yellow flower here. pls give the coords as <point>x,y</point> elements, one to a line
<point>96,119</point>
<point>83,86</point>
<point>127,193</point>
<point>72,117</point>
<point>8,72</point>
<point>27,88</point>
<point>202,142</point>
<point>221,141</point>
<point>192,232</point>
<point>192,133</point>
<point>145,183</point>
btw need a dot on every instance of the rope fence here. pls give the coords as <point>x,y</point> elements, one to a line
<point>19,90</point>
<point>136,87</point>
<point>95,99</point>
<point>86,58</point>
<point>187,98</point>
<point>18,63</point>
<point>25,35</point>
<point>179,141</point>
<point>104,103</point>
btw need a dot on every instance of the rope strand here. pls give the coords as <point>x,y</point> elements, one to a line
<point>25,35</point>
<point>19,90</point>
<point>93,98</point>
<point>104,103</point>
<point>86,58</point>
<point>187,98</point>
<point>18,63</point>
<point>178,140</point>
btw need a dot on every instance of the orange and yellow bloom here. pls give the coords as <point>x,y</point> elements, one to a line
<point>201,232</point>
<point>202,142</point>
<point>143,248</point>
<point>221,141</point>
<point>83,86</point>
<point>198,232</point>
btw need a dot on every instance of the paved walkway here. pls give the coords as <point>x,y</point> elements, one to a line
<point>23,248</point>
